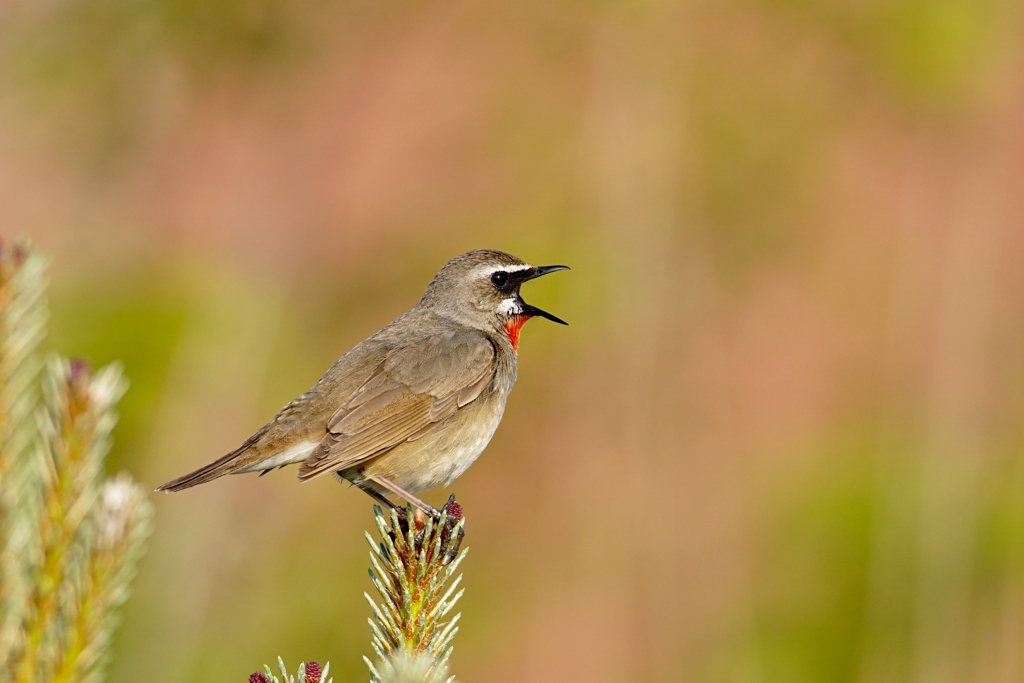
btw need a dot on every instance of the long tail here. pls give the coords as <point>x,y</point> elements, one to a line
<point>218,468</point>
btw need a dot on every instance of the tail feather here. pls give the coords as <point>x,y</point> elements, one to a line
<point>218,468</point>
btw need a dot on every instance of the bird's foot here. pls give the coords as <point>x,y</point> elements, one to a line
<point>452,513</point>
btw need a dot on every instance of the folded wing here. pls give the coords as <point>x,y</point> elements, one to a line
<point>414,388</point>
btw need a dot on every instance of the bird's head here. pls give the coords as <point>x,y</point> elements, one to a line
<point>481,289</point>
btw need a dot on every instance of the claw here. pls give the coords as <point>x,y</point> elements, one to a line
<point>452,518</point>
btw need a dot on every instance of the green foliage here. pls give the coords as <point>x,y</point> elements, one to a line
<point>71,541</point>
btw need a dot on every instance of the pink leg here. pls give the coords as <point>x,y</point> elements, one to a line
<point>399,491</point>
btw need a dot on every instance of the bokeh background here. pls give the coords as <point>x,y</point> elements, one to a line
<point>781,440</point>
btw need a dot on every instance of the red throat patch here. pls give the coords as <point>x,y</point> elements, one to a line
<point>512,327</point>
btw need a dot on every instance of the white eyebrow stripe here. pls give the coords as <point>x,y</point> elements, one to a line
<point>507,269</point>
<point>510,306</point>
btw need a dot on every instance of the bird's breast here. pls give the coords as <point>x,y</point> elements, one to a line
<point>474,437</point>
<point>446,451</point>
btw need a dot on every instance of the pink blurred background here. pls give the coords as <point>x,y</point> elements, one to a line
<point>780,440</point>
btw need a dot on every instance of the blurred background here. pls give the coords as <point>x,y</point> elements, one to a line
<point>781,439</point>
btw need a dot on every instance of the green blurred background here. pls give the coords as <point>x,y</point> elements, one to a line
<point>781,440</point>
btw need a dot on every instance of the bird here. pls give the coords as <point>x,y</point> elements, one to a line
<point>414,405</point>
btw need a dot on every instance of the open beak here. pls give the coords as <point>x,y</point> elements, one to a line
<point>533,310</point>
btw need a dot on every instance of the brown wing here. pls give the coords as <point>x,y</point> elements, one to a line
<point>413,389</point>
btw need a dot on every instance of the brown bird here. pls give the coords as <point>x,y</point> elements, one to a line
<point>415,404</point>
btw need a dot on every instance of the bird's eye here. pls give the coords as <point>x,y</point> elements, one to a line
<point>499,279</point>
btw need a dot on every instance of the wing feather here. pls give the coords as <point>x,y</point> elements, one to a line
<point>414,388</point>
<point>470,393</point>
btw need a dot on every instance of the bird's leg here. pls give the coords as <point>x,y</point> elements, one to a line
<point>381,498</point>
<point>399,491</point>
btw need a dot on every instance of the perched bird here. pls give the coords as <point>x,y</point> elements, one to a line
<point>415,404</point>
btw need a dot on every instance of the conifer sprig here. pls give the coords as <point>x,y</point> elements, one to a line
<point>411,567</point>
<point>23,316</point>
<point>120,523</point>
<point>75,427</point>
<point>308,672</point>
<point>70,541</point>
